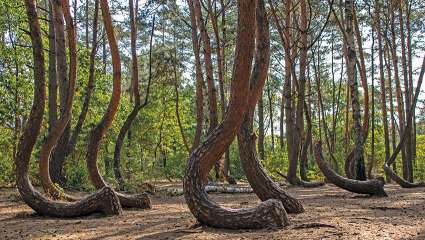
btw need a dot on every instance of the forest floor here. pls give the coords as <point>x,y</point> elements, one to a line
<point>342,215</point>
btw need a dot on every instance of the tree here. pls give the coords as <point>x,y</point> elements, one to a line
<point>264,187</point>
<point>56,164</point>
<point>135,92</point>
<point>90,85</point>
<point>104,200</point>
<point>387,166</point>
<point>212,91</point>
<point>60,11</point>
<point>359,135</point>
<point>203,158</point>
<point>199,77</point>
<point>96,135</point>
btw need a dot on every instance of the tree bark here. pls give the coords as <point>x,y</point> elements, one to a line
<point>374,187</point>
<point>270,103</point>
<point>60,10</point>
<point>53,83</point>
<point>408,163</point>
<point>267,214</point>
<point>387,166</point>
<point>135,92</point>
<point>399,94</point>
<point>90,86</point>
<point>362,71</point>
<point>104,200</point>
<point>261,127</point>
<point>358,158</point>
<point>58,157</point>
<point>212,91</point>
<point>264,187</point>
<point>96,135</point>
<point>199,78</point>
<point>377,24</point>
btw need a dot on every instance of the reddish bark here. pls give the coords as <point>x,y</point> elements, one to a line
<point>96,135</point>
<point>267,214</point>
<point>104,200</point>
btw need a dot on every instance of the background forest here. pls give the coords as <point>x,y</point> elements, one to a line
<point>157,145</point>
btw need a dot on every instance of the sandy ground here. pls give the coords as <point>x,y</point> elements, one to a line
<point>348,216</point>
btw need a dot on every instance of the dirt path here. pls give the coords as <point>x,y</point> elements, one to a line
<point>341,215</point>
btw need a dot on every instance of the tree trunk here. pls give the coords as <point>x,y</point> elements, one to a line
<point>363,77</point>
<point>387,166</point>
<point>177,100</point>
<point>299,118</point>
<point>399,94</point>
<point>261,127</point>
<point>90,85</point>
<point>353,82</point>
<point>264,187</point>
<point>270,103</point>
<point>390,96</point>
<point>58,157</point>
<point>281,122</point>
<point>373,187</point>
<point>104,200</point>
<point>289,121</point>
<point>410,73</point>
<point>377,23</point>
<point>135,92</point>
<point>408,163</point>
<point>267,214</point>
<point>212,91</point>
<point>96,135</point>
<point>199,78</point>
<point>53,83</point>
<point>371,162</point>
<point>60,11</point>
<point>220,65</point>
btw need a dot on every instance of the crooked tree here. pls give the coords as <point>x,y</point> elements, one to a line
<point>104,200</point>
<point>267,214</point>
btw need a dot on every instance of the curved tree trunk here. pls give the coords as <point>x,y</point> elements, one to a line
<point>387,166</point>
<point>136,95</point>
<point>267,214</point>
<point>139,201</point>
<point>212,91</point>
<point>58,156</point>
<point>373,187</point>
<point>137,106</point>
<point>90,85</point>
<point>104,200</point>
<point>408,166</point>
<point>377,24</point>
<point>220,66</point>
<point>399,93</point>
<point>60,11</point>
<point>264,187</point>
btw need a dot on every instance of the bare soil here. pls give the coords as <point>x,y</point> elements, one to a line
<point>330,213</point>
